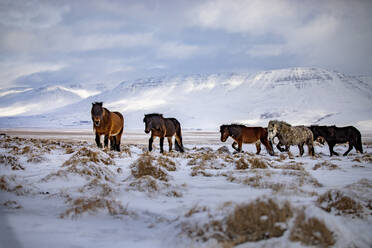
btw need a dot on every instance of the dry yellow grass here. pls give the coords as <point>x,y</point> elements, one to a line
<point>10,184</point>
<point>281,158</point>
<point>257,163</point>
<point>166,163</point>
<point>291,165</point>
<point>201,158</point>
<point>11,161</point>
<point>259,220</point>
<point>253,181</point>
<point>367,157</point>
<point>143,166</point>
<point>334,200</point>
<point>83,205</point>
<point>88,163</point>
<point>85,155</point>
<point>311,231</point>
<point>196,209</point>
<point>12,205</point>
<point>241,164</point>
<point>325,164</point>
<point>97,187</point>
<point>223,150</point>
<point>145,184</point>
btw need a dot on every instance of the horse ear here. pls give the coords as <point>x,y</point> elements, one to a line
<point>100,103</point>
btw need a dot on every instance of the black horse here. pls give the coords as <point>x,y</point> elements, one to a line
<point>334,135</point>
<point>163,127</point>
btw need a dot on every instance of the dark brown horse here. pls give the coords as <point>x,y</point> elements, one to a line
<point>335,135</point>
<point>110,124</point>
<point>163,127</point>
<point>248,135</point>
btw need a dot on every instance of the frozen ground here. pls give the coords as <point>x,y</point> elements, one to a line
<point>59,190</point>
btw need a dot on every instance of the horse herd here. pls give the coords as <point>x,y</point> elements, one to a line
<point>111,125</point>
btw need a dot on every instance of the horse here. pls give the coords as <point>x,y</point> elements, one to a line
<point>109,124</point>
<point>334,135</point>
<point>163,127</point>
<point>248,135</point>
<point>291,135</point>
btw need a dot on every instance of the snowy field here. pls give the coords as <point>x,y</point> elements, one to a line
<point>60,190</point>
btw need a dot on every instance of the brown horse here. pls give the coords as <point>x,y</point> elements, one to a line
<point>110,124</point>
<point>248,135</point>
<point>163,127</point>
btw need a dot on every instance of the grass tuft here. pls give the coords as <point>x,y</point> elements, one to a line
<point>143,167</point>
<point>11,161</point>
<point>311,231</point>
<point>325,164</point>
<point>334,200</point>
<point>257,163</point>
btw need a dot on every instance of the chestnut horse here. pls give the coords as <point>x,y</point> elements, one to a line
<point>163,127</point>
<point>110,124</point>
<point>248,135</point>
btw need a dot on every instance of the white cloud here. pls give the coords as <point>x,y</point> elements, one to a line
<point>252,16</point>
<point>177,50</point>
<point>105,41</point>
<point>265,50</point>
<point>31,14</point>
<point>12,70</point>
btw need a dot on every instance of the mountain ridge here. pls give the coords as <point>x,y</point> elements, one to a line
<point>298,95</point>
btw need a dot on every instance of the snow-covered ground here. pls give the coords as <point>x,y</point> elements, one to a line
<point>57,191</point>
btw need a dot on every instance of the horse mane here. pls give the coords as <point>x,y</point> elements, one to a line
<point>281,123</point>
<point>233,125</point>
<point>154,114</point>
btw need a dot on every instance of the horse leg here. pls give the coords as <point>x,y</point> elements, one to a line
<point>106,140</point>
<point>170,143</point>
<point>234,146</point>
<point>331,145</point>
<point>240,144</point>
<point>280,148</point>
<point>118,141</point>
<point>310,147</point>
<point>258,147</point>
<point>150,143</point>
<point>98,141</point>
<point>268,145</point>
<point>301,148</point>
<point>161,144</point>
<point>286,148</point>
<point>348,150</point>
<point>112,143</point>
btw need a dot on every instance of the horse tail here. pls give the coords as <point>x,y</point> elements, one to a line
<point>359,146</point>
<point>267,143</point>
<point>178,140</point>
<point>122,119</point>
<point>310,143</point>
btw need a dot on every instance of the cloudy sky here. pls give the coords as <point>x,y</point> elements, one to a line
<point>68,42</point>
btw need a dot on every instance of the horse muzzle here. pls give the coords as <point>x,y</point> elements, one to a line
<point>96,123</point>
<point>147,131</point>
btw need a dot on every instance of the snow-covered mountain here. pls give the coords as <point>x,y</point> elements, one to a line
<point>297,95</point>
<point>27,101</point>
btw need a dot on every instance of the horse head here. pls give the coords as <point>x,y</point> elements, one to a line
<point>225,133</point>
<point>97,113</point>
<point>272,129</point>
<point>152,122</point>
